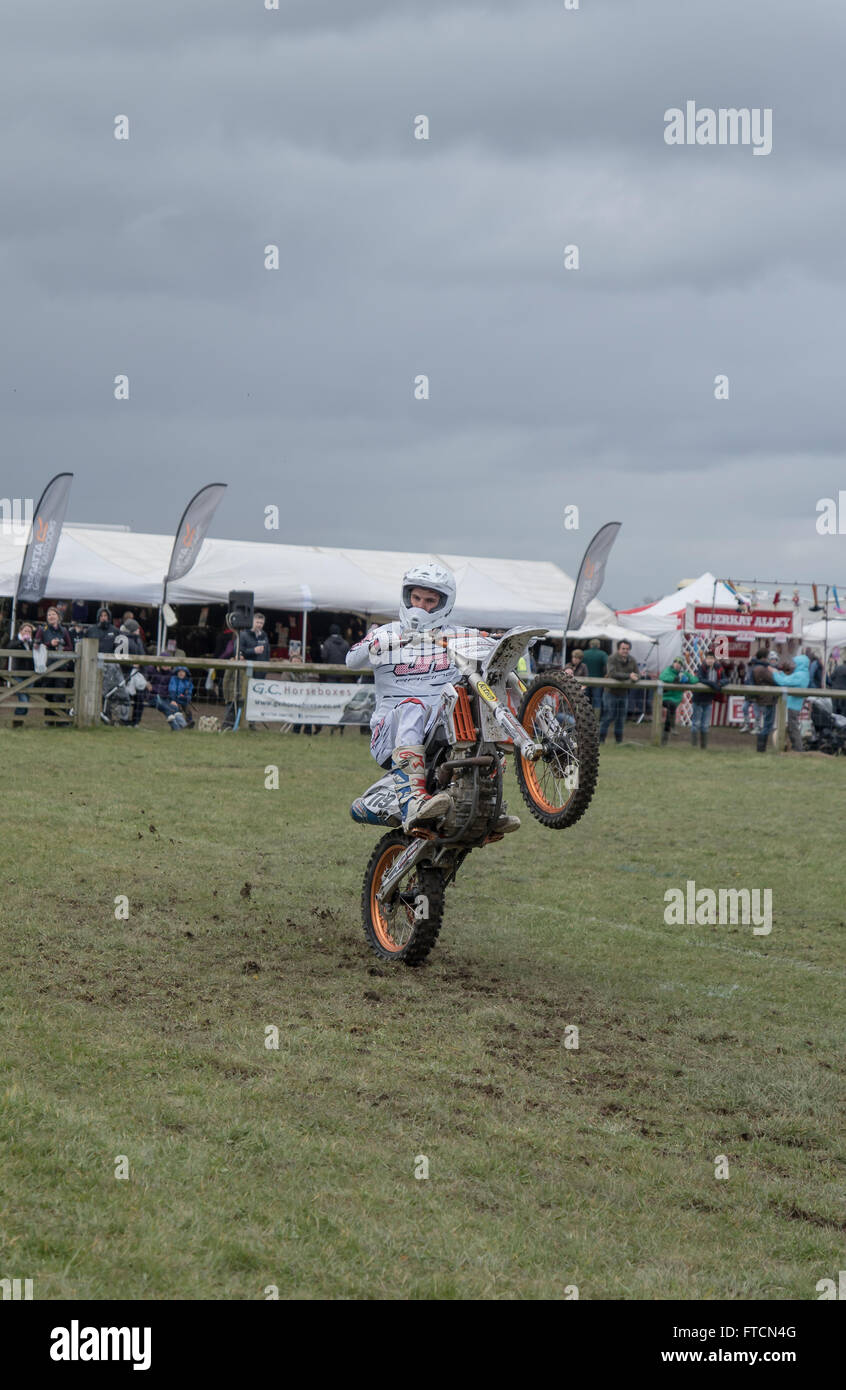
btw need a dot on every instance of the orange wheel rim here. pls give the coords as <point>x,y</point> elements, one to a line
<point>383,925</point>
<point>530,769</point>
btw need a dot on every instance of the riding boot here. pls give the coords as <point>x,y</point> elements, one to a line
<point>761,743</point>
<point>703,739</point>
<point>409,772</point>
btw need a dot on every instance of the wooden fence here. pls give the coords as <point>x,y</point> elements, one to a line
<point>81,699</point>
<point>51,690</point>
<point>784,692</point>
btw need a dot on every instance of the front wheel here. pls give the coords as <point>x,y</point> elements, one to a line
<point>557,714</point>
<point>406,926</point>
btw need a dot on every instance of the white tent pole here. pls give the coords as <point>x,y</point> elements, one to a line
<point>305,630</point>
<point>825,642</point>
<point>161,617</point>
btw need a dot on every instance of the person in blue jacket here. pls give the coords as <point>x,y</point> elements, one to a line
<point>796,672</point>
<point>180,690</point>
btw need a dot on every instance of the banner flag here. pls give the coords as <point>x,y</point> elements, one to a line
<point>309,702</point>
<point>591,574</point>
<point>44,539</point>
<point>195,522</point>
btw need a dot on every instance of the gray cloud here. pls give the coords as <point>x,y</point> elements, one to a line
<point>445,257</point>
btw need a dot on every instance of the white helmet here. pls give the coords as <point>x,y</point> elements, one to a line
<point>429,575</point>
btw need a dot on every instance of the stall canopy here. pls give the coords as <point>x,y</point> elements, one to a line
<point>611,631</point>
<point>834,630</point>
<point>657,624</point>
<point>129,567</point>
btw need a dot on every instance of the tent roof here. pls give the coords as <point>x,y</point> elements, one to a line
<point>612,631</point>
<point>699,590</point>
<point>128,567</point>
<point>816,632</point>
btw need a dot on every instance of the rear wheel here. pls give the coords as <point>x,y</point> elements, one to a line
<point>558,788</point>
<point>406,926</point>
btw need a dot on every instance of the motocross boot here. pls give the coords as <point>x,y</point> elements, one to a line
<point>409,773</point>
<point>506,824</point>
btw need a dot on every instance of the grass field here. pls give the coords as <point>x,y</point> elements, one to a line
<point>548,1166</point>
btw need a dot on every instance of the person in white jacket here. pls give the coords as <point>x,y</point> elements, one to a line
<point>410,681</point>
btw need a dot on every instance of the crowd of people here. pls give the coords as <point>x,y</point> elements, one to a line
<point>767,671</point>
<point>42,644</point>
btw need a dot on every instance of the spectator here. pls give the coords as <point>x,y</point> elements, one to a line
<point>22,643</point>
<point>295,654</point>
<point>702,700</point>
<point>765,699</point>
<point>255,644</point>
<point>333,651</point>
<point>576,665</point>
<point>56,638</point>
<point>158,680</point>
<point>225,639</point>
<point>77,632</point>
<point>596,662</point>
<point>838,680</point>
<point>671,699</point>
<point>137,686</point>
<point>79,611</point>
<point>751,711</point>
<point>794,673</point>
<point>180,690</point>
<point>134,640</point>
<point>621,667</point>
<point>129,617</point>
<point>814,668</point>
<point>104,631</point>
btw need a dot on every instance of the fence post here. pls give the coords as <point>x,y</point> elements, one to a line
<point>657,713</point>
<point>780,724</point>
<point>86,684</point>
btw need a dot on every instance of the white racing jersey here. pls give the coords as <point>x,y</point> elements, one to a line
<point>419,670</point>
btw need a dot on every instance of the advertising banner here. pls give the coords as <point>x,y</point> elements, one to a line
<point>591,573</point>
<point>44,538</point>
<point>309,702</point>
<point>192,529</point>
<point>743,626</point>
<point>735,709</point>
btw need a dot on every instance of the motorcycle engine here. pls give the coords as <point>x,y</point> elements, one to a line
<point>461,792</point>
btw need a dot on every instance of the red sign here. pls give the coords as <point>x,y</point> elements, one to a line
<point>762,622</point>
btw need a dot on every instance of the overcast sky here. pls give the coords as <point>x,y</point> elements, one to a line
<point>399,256</point>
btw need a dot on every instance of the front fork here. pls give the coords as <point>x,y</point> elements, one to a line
<point>400,867</point>
<point>530,750</point>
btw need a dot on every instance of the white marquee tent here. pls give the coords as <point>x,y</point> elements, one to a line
<point>129,567</point>
<point>834,630</point>
<point>658,622</point>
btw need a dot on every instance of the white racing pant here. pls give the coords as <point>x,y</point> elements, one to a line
<point>407,722</point>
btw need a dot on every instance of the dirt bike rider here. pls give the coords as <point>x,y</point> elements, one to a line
<point>410,684</point>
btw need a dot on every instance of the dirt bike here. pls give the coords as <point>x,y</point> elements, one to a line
<point>550,728</point>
